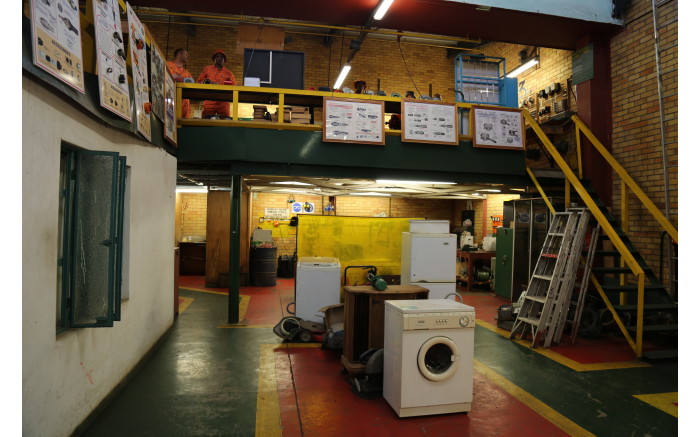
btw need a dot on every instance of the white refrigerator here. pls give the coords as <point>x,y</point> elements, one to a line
<point>428,260</point>
<point>317,286</point>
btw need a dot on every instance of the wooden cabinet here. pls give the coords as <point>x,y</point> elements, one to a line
<point>364,319</point>
<point>193,258</point>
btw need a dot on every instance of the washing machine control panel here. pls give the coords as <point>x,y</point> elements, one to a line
<point>445,320</point>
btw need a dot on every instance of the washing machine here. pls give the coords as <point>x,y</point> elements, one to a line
<point>428,356</point>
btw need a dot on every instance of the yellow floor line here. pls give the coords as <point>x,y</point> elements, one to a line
<point>535,404</point>
<point>201,290</point>
<point>561,359</point>
<point>268,422</point>
<point>186,301</point>
<point>662,401</point>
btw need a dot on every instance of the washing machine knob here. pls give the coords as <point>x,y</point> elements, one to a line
<point>464,321</point>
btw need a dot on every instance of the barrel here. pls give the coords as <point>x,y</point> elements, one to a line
<point>263,267</point>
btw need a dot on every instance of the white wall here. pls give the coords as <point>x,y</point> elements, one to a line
<point>65,377</point>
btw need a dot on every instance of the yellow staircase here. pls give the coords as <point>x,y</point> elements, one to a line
<point>642,303</point>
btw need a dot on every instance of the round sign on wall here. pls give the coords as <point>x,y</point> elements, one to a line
<point>297,207</point>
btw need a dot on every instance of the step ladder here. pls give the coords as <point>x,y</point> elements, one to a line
<point>659,49</point>
<point>576,307</point>
<point>554,269</point>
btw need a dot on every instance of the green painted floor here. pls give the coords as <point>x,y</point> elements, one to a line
<point>202,381</point>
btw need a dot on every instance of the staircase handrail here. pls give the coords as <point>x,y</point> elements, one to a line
<point>627,179</point>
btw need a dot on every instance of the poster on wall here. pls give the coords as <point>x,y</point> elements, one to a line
<point>139,72</point>
<point>353,121</point>
<point>429,122</point>
<point>169,121</point>
<point>501,128</point>
<point>157,80</point>
<point>56,40</point>
<point>111,58</point>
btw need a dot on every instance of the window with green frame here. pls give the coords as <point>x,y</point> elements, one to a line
<point>90,248</point>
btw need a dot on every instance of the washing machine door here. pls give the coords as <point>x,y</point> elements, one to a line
<point>438,358</point>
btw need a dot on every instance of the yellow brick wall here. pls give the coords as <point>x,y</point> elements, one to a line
<point>636,136</point>
<point>192,212</point>
<point>494,206</point>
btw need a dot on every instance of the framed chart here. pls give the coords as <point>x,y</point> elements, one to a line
<point>434,122</point>
<point>353,121</point>
<point>498,128</point>
<point>169,119</point>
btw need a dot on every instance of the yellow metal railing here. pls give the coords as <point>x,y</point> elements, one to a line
<point>276,97</point>
<point>572,179</point>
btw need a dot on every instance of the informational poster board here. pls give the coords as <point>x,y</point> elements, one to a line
<point>169,119</point>
<point>434,122</point>
<point>277,213</point>
<point>139,71</point>
<point>157,81</point>
<point>56,39</point>
<point>111,58</point>
<point>501,128</point>
<point>353,121</point>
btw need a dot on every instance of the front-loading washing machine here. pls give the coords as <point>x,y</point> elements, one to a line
<point>428,356</point>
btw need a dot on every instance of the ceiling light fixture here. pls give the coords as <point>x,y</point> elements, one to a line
<point>390,181</point>
<point>526,66</point>
<point>490,190</point>
<point>341,77</point>
<point>381,10</point>
<point>185,189</point>
<point>283,190</point>
<point>370,194</point>
<point>290,183</point>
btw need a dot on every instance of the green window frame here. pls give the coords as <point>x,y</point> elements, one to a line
<point>91,215</point>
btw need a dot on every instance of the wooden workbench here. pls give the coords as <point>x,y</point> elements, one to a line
<point>364,319</point>
<point>470,257</point>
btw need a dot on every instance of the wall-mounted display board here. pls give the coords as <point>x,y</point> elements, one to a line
<point>434,122</point>
<point>501,128</point>
<point>353,121</point>
<point>139,70</point>
<point>111,58</point>
<point>169,121</point>
<point>57,45</point>
<point>157,78</point>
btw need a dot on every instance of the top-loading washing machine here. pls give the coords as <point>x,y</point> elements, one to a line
<point>428,356</point>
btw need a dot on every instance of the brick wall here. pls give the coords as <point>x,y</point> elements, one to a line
<point>636,136</point>
<point>494,206</point>
<point>192,215</point>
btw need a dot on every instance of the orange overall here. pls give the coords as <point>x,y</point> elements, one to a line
<point>217,76</point>
<point>183,74</point>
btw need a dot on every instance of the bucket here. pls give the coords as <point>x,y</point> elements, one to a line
<point>263,267</point>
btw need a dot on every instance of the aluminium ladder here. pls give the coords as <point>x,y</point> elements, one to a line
<point>548,277</point>
<point>575,307</point>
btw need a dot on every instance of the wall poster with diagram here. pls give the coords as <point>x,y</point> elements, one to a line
<point>111,58</point>
<point>501,128</point>
<point>353,121</point>
<point>139,72</point>
<point>169,121</point>
<point>434,122</point>
<point>157,79</point>
<point>57,46</point>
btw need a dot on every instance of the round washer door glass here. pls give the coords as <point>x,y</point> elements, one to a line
<point>438,358</point>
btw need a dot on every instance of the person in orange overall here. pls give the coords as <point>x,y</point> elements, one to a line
<point>217,74</point>
<point>179,72</point>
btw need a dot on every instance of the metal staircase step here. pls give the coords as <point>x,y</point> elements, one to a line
<point>530,320</point>
<point>545,277</point>
<point>540,299</point>
<point>632,288</point>
<point>616,270</point>
<point>661,354</point>
<point>647,307</point>
<point>654,328</point>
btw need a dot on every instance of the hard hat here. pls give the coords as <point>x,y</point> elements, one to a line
<point>217,52</point>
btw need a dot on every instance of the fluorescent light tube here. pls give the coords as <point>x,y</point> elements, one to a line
<point>388,181</point>
<point>191,189</point>
<point>341,77</point>
<point>526,66</point>
<point>381,10</point>
<point>290,183</point>
<point>370,194</point>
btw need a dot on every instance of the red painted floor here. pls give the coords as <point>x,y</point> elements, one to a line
<point>268,305</point>
<point>327,406</point>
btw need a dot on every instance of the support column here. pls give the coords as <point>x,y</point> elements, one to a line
<point>234,283</point>
<point>594,100</point>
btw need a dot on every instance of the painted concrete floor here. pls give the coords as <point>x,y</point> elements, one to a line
<point>211,379</point>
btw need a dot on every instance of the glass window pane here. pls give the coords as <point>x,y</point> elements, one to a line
<point>93,256</point>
